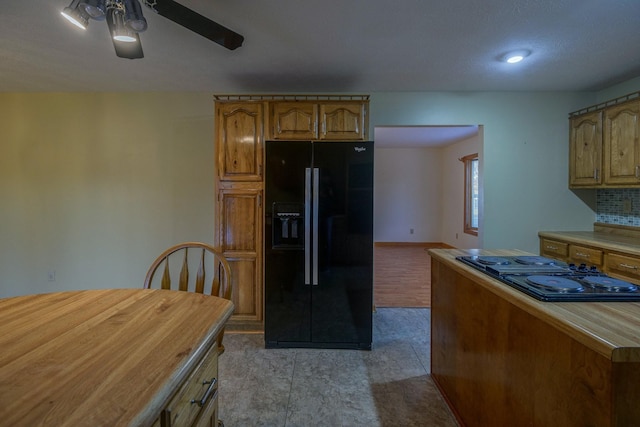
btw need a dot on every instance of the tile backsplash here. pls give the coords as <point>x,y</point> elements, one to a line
<point>613,205</point>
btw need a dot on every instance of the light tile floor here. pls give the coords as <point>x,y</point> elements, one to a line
<point>387,386</point>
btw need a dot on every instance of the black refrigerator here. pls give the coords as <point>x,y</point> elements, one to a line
<point>318,244</point>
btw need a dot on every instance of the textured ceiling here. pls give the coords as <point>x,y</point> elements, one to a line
<point>358,46</point>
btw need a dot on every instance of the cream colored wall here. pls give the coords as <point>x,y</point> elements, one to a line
<point>94,186</point>
<point>525,155</point>
<point>452,193</point>
<point>624,88</point>
<point>407,190</point>
<point>423,189</point>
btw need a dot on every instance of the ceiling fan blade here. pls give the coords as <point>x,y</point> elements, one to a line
<point>197,23</point>
<point>129,50</point>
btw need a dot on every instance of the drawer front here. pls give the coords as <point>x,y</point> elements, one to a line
<point>589,256</point>
<point>554,249</point>
<point>625,267</point>
<point>209,415</point>
<point>195,396</point>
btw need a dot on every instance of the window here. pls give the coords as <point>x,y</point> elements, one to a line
<point>471,191</point>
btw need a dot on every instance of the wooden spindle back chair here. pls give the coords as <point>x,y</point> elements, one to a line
<point>213,273</point>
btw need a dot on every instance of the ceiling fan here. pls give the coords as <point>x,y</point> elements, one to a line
<point>125,21</point>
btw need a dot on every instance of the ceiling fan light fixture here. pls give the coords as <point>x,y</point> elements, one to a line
<point>96,9</point>
<point>516,56</point>
<point>76,15</point>
<point>133,17</point>
<point>121,32</point>
<point>125,22</point>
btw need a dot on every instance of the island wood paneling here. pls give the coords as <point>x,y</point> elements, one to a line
<point>500,358</point>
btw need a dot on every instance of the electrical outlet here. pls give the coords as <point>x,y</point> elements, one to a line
<point>411,231</point>
<point>626,206</point>
<point>51,275</point>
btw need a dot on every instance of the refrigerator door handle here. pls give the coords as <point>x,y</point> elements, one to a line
<point>307,226</point>
<point>316,192</point>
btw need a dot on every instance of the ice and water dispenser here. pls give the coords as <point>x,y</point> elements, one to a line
<point>287,225</point>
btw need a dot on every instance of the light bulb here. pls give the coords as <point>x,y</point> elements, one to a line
<point>124,38</point>
<point>75,17</point>
<point>515,56</point>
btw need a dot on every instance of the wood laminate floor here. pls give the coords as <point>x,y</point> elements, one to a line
<point>402,274</point>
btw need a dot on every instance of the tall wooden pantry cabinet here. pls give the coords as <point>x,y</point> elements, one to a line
<point>239,143</point>
<point>242,125</point>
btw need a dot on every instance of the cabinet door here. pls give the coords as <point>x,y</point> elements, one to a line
<point>585,150</point>
<point>621,144</point>
<point>239,222</point>
<point>209,414</point>
<point>239,142</point>
<point>343,121</point>
<point>294,120</point>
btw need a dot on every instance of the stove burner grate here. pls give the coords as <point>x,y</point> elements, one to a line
<point>609,284</point>
<point>535,260</point>
<point>555,284</point>
<point>492,260</point>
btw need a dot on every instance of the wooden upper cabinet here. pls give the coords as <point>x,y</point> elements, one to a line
<point>294,120</point>
<point>313,120</point>
<point>585,150</point>
<point>622,144</point>
<point>343,121</point>
<point>604,144</point>
<point>239,141</point>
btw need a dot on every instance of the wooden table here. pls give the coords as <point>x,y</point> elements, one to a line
<point>103,357</point>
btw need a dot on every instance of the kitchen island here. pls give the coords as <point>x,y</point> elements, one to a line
<point>500,357</point>
<point>115,357</point>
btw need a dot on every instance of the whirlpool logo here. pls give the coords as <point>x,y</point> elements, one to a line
<point>359,149</point>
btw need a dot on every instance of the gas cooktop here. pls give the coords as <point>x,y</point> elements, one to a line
<point>547,279</point>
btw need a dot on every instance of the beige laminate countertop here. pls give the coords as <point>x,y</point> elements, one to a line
<point>598,239</point>
<point>100,357</point>
<point>612,328</point>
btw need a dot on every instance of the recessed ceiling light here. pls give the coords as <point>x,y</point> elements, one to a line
<point>516,56</point>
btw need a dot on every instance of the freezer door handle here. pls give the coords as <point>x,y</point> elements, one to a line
<point>316,188</point>
<point>307,226</point>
